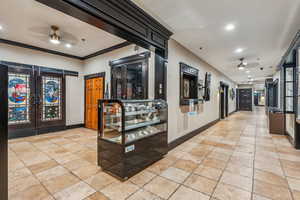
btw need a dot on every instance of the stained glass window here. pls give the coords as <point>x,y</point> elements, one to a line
<point>18,98</point>
<point>51,94</point>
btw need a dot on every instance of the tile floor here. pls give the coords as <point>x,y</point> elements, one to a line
<point>234,160</point>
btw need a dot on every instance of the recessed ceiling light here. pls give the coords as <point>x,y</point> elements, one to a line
<point>249,76</point>
<point>68,45</point>
<point>247,71</point>
<point>229,27</point>
<point>54,41</point>
<point>239,50</point>
<point>241,67</point>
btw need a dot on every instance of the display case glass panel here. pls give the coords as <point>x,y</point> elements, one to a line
<point>127,121</point>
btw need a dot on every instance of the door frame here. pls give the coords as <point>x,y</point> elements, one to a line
<point>238,98</point>
<point>224,101</point>
<point>144,57</point>
<point>91,76</point>
<point>3,132</point>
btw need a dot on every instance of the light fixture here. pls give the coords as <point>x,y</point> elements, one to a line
<point>68,45</point>
<point>239,50</point>
<point>249,76</point>
<point>241,67</point>
<point>54,35</point>
<point>247,71</point>
<point>1,27</point>
<point>229,27</point>
<point>242,64</point>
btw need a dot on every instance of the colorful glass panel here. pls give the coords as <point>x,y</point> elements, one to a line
<point>18,98</point>
<point>51,98</point>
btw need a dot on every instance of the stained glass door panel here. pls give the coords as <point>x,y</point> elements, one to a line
<point>51,98</point>
<point>21,104</point>
<point>51,91</point>
<point>18,98</point>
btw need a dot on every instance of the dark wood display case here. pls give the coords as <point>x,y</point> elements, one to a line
<point>132,135</point>
<point>188,84</point>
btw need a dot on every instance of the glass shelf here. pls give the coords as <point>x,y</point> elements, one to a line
<point>141,119</point>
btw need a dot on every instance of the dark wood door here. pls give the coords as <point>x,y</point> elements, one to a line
<point>3,133</point>
<point>245,99</point>
<point>50,102</point>
<point>36,101</point>
<point>21,101</point>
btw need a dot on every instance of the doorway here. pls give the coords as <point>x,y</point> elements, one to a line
<point>36,100</point>
<point>245,99</point>
<point>129,77</point>
<point>224,100</point>
<point>94,90</point>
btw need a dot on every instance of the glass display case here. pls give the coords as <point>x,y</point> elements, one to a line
<point>132,135</point>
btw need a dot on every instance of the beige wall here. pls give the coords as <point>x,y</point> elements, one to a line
<point>181,123</point>
<point>74,85</point>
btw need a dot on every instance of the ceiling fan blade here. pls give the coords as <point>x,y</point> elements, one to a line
<point>252,65</point>
<point>40,30</point>
<point>69,38</point>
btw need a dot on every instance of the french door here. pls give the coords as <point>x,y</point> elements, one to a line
<point>35,101</point>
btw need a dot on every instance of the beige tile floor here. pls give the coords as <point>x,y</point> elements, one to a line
<point>237,159</point>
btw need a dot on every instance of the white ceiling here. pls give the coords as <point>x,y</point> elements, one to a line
<point>264,28</point>
<point>23,20</point>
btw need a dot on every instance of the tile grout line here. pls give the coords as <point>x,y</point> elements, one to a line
<point>253,166</point>
<point>285,176</point>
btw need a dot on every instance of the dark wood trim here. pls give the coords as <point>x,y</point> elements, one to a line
<point>121,18</point>
<point>3,133</point>
<point>107,50</point>
<point>40,69</point>
<point>91,76</point>
<point>140,56</point>
<point>97,75</point>
<point>27,46</point>
<point>160,84</point>
<point>190,135</point>
<point>102,51</point>
<point>75,126</point>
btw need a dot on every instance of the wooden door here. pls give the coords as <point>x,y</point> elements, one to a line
<point>245,99</point>
<point>94,92</point>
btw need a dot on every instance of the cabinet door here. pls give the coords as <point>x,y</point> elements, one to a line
<point>51,101</point>
<point>21,102</point>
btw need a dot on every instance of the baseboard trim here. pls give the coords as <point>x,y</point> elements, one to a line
<point>232,112</point>
<point>75,126</point>
<point>190,135</point>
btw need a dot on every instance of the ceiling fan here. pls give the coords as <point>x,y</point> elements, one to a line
<point>54,35</point>
<point>244,64</point>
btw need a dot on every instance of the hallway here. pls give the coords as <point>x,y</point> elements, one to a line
<point>234,160</point>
